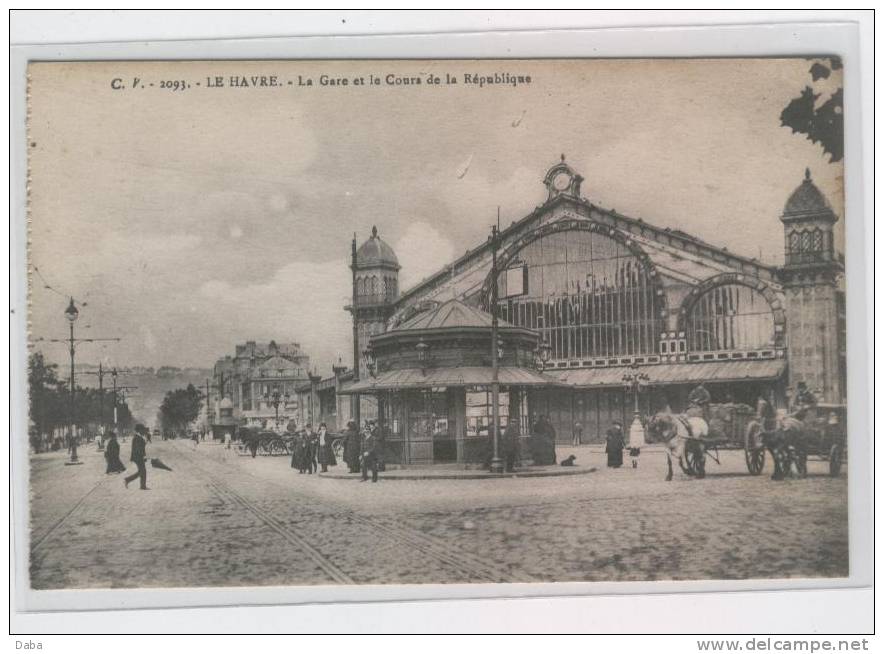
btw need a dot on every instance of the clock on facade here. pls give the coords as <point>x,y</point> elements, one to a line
<point>561,181</point>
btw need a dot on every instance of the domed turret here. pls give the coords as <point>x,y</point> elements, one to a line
<point>226,404</point>
<point>807,199</point>
<point>376,253</point>
<point>808,222</point>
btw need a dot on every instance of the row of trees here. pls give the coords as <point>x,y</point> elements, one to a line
<point>50,404</point>
<point>180,408</point>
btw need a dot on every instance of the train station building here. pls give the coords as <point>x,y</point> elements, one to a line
<point>586,295</point>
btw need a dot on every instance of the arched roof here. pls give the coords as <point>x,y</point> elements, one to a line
<point>376,252</point>
<point>574,224</point>
<point>225,403</point>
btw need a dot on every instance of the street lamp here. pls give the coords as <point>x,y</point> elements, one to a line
<point>71,313</point>
<point>496,460</point>
<point>634,380</point>
<point>275,398</point>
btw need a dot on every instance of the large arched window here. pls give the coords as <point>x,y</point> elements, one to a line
<point>588,295</point>
<point>730,317</point>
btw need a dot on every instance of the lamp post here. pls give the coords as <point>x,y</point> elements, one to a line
<point>496,460</point>
<point>634,380</point>
<point>275,398</point>
<point>71,313</point>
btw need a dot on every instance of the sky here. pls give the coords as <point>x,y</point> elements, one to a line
<point>186,221</point>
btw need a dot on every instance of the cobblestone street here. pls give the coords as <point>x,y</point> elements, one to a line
<point>223,519</point>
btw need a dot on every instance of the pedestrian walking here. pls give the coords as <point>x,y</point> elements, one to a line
<point>311,445</point>
<point>139,458</point>
<point>369,456</point>
<point>577,434</point>
<point>253,444</point>
<point>614,445</point>
<point>352,446</point>
<point>326,451</point>
<point>112,455</point>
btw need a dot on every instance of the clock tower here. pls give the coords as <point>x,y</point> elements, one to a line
<point>561,179</point>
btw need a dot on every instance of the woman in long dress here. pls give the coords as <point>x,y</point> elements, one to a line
<point>298,453</point>
<point>614,445</point>
<point>112,456</point>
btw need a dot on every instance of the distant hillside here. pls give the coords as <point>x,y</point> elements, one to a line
<point>153,384</point>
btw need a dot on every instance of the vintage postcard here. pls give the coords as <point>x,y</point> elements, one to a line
<point>300,323</point>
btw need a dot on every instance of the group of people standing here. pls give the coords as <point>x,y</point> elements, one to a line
<point>363,451</point>
<point>312,450</point>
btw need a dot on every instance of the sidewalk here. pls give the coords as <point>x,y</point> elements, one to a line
<point>442,471</point>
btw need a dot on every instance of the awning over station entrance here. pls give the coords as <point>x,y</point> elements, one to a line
<point>675,373</point>
<point>394,380</point>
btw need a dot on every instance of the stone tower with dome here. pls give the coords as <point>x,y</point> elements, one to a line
<point>375,291</point>
<point>812,279</point>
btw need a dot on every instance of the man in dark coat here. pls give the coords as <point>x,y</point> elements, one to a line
<point>698,401</point>
<point>510,445</point>
<point>369,455</point>
<point>325,450</point>
<point>351,447</point>
<point>112,455</point>
<point>614,445</point>
<point>138,457</point>
<point>311,444</point>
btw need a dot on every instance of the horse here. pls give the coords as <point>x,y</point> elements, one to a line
<point>682,436</point>
<point>787,446</point>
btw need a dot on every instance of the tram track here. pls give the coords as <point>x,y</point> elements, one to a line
<point>225,492</point>
<point>36,543</point>
<point>471,566</point>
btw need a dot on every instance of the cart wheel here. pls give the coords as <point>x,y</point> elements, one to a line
<point>338,448</point>
<point>753,449</point>
<point>277,448</point>
<point>836,457</point>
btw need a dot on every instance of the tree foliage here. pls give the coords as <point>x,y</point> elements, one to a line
<point>50,402</point>
<point>821,123</point>
<point>180,407</point>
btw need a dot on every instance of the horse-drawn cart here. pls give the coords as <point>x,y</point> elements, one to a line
<point>818,430</point>
<point>719,427</point>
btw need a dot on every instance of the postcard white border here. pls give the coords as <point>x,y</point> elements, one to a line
<point>784,39</point>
